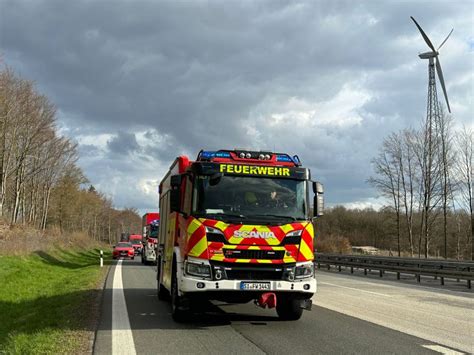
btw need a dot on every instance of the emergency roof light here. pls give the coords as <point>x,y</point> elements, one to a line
<point>249,156</point>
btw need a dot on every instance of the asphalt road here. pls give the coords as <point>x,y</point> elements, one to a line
<point>350,315</point>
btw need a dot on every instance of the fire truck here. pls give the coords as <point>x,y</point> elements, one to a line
<point>150,227</point>
<point>237,226</point>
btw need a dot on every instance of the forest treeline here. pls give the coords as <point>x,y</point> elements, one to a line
<point>40,182</point>
<point>341,228</point>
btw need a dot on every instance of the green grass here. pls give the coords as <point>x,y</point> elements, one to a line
<point>46,300</point>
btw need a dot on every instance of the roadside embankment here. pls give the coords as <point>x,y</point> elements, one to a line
<point>50,296</point>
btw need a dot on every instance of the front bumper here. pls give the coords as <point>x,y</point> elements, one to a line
<point>190,284</point>
<point>150,255</point>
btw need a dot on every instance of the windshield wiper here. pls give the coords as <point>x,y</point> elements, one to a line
<point>276,216</point>
<point>227,215</point>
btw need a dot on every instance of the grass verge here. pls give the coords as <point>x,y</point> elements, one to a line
<point>49,301</point>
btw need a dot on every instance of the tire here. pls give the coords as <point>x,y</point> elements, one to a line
<point>133,258</point>
<point>289,308</point>
<point>179,315</point>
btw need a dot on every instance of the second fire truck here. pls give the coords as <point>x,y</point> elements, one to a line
<point>237,226</point>
<point>150,227</point>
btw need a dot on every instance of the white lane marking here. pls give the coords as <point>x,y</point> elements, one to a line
<point>122,337</point>
<point>355,289</point>
<point>442,350</point>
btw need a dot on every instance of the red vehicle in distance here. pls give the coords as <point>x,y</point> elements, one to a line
<point>136,240</point>
<point>123,250</point>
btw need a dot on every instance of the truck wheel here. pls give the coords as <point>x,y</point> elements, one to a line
<point>163,294</point>
<point>179,315</point>
<point>289,308</point>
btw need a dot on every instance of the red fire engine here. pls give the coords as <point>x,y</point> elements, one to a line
<point>236,226</point>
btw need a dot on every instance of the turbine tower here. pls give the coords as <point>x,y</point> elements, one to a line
<point>430,149</point>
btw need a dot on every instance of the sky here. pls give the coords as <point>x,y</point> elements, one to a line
<point>137,83</point>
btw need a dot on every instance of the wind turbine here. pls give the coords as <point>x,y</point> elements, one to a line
<point>433,56</point>
<point>430,149</point>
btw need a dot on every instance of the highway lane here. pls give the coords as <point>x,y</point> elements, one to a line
<point>328,329</point>
<point>438,314</point>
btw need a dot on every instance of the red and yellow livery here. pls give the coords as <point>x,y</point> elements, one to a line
<point>236,226</point>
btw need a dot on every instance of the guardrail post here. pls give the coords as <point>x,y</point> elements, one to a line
<point>469,281</point>
<point>339,268</point>
<point>365,272</point>
<point>329,267</point>
<point>101,258</point>
<point>380,273</point>
<point>418,278</point>
<point>352,269</point>
<point>398,276</point>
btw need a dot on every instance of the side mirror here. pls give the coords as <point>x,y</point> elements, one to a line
<point>175,200</point>
<point>175,193</point>
<point>318,190</point>
<point>113,246</point>
<point>175,181</point>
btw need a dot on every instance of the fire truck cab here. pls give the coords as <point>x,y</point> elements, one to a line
<point>236,226</point>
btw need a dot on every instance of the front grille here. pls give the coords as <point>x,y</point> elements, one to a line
<point>248,272</point>
<point>254,254</point>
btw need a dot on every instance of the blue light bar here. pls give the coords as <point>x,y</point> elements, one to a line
<point>285,158</point>
<point>210,155</point>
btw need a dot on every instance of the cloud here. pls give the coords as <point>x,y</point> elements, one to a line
<point>138,84</point>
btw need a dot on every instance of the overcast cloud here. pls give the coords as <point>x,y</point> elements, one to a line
<point>137,83</point>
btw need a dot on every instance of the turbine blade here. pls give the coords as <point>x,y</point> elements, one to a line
<point>441,80</point>
<point>423,34</point>
<point>446,39</point>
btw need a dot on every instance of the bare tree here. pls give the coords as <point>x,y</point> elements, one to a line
<point>464,175</point>
<point>388,179</point>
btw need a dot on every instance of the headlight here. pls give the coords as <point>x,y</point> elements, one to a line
<point>304,271</point>
<point>199,270</point>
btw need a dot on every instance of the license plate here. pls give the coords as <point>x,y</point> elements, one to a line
<point>123,253</point>
<point>255,285</point>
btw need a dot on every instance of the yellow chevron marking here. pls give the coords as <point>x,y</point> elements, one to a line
<point>310,229</point>
<point>306,251</point>
<point>221,225</point>
<point>193,226</point>
<point>264,261</point>
<point>199,248</point>
<point>242,260</point>
<point>218,257</point>
<point>286,228</point>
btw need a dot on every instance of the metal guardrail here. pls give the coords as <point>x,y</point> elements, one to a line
<point>449,269</point>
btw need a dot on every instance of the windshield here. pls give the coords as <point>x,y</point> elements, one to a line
<point>154,231</point>
<point>136,241</point>
<point>124,245</point>
<point>251,198</point>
